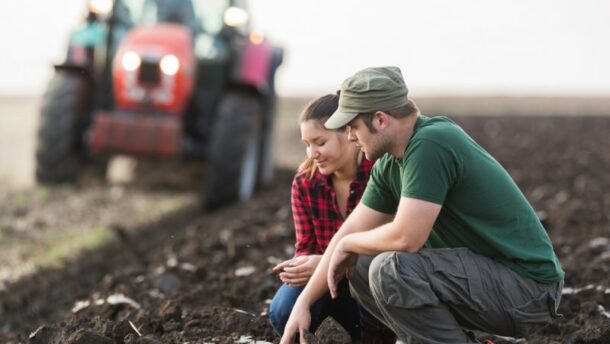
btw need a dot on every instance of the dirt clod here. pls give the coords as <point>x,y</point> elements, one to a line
<point>171,311</point>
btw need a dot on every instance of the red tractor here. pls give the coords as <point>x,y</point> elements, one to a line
<point>164,79</point>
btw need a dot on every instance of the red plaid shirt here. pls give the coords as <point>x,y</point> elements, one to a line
<point>315,210</point>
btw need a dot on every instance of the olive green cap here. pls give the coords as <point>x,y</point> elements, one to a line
<point>371,89</point>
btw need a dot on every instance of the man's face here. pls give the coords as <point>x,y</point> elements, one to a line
<point>371,144</point>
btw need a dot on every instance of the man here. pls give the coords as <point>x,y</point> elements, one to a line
<point>442,240</point>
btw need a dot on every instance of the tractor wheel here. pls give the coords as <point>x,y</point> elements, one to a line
<point>266,172</point>
<point>64,104</point>
<point>234,156</point>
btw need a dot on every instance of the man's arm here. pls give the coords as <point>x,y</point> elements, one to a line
<point>408,232</point>
<point>361,219</point>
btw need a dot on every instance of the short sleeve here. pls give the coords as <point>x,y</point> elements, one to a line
<point>378,195</point>
<point>429,171</point>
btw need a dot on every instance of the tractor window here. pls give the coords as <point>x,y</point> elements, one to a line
<point>134,8</point>
<point>200,15</point>
<point>211,13</point>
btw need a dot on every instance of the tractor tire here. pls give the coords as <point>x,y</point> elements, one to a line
<point>266,171</point>
<point>235,149</point>
<point>58,156</point>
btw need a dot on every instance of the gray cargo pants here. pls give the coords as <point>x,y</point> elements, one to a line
<point>431,295</point>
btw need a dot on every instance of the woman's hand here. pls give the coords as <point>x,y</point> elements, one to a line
<point>296,271</point>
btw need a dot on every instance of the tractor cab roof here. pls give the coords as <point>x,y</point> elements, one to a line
<point>200,15</point>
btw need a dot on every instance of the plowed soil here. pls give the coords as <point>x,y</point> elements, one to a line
<point>195,277</point>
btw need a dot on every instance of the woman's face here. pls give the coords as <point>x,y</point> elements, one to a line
<point>328,148</point>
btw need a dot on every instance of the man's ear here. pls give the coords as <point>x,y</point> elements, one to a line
<point>381,119</point>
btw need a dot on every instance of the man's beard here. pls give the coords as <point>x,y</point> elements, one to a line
<point>375,151</point>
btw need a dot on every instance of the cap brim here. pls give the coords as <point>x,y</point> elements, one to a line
<point>339,119</point>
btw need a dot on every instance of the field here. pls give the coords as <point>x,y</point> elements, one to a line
<point>107,262</point>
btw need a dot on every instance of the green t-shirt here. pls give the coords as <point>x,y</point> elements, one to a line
<point>483,209</point>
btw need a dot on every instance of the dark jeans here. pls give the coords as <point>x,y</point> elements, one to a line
<point>343,309</point>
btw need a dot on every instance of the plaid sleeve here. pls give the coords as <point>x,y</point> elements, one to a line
<point>303,224</point>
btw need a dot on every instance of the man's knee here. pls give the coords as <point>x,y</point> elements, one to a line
<point>376,266</point>
<point>387,264</point>
<point>376,270</point>
<point>360,277</point>
<point>397,279</point>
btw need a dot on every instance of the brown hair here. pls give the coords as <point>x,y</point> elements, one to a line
<point>319,110</point>
<point>400,112</point>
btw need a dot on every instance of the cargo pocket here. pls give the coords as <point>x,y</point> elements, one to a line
<point>401,290</point>
<point>456,278</point>
<point>531,316</point>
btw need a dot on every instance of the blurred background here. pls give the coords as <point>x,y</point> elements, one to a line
<point>471,56</point>
<point>528,80</point>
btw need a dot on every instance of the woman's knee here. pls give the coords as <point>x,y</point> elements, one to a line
<point>278,317</point>
<point>281,306</point>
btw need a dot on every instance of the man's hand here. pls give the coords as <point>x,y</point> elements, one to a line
<point>298,323</point>
<point>341,265</point>
<point>297,271</point>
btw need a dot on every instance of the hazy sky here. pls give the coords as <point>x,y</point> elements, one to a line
<point>515,47</point>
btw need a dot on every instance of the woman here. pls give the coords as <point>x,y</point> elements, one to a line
<point>327,187</point>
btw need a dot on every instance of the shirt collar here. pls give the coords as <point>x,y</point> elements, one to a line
<point>418,123</point>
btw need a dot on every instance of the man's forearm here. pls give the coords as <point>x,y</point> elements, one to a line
<point>408,232</point>
<point>361,219</point>
<point>381,239</point>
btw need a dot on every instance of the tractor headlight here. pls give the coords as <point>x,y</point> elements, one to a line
<point>236,16</point>
<point>101,7</point>
<point>131,61</point>
<point>169,64</point>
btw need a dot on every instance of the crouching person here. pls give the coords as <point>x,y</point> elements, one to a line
<point>325,190</point>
